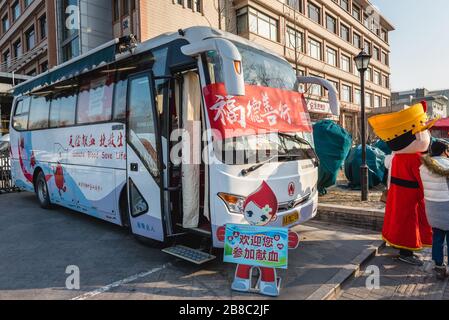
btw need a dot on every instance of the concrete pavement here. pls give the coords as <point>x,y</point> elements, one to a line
<point>37,245</point>
<point>398,281</point>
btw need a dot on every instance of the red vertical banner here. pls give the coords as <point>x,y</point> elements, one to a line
<point>262,109</point>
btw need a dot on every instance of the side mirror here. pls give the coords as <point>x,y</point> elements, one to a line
<point>333,94</point>
<point>231,60</point>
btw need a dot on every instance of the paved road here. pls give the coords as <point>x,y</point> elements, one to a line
<point>398,281</point>
<point>37,245</point>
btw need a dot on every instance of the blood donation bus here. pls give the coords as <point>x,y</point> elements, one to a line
<point>168,136</point>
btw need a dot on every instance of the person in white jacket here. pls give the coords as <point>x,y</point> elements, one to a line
<point>435,178</point>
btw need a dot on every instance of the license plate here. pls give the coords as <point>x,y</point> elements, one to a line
<point>290,218</point>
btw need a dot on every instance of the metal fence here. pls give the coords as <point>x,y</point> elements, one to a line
<point>6,184</point>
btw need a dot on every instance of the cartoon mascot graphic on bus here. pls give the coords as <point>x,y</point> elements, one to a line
<point>259,209</point>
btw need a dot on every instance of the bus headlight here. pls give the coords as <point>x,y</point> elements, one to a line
<point>233,202</point>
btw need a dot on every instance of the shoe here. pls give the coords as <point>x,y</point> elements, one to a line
<point>269,289</point>
<point>241,285</point>
<point>441,272</point>
<point>412,260</point>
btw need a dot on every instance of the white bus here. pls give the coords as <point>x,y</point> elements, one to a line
<point>96,134</point>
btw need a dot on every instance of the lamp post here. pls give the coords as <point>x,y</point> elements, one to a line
<point>362,62</point>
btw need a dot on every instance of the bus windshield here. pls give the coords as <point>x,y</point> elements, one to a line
<point>264,70</point>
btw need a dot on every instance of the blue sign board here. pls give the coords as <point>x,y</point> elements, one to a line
<point>256,246</point>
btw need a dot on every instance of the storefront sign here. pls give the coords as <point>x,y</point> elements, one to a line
<point>256,246</point>
<point>319,107</point>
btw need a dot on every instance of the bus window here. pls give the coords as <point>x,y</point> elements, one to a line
<point>95,101</point>
<point>20,120</point>
<point>62,110</point>
<point>121,89</point>
<point>141,122</point>
<point>39,109</point>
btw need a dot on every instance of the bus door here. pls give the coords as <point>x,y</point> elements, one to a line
<point>144,165</point>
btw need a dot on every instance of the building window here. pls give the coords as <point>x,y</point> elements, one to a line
<point>15,8</point>
<point>316,90</point>
<point>331,57</point>
<point>377,79</point>
<point>7,58</point>
<point>368,73</point>
<point>5,23</point>
<point>17,47</point>
<point>345,5</point>
<point>368,100</point>
<point>295,4</point>
<point>384,58</point>
<point>43,27</point>
<point>198,7</point>
<point>357,41</point>
<point>356,12</point>
<point>376,53</point>
<point>384,35</point>
<point>71,49</point>
<point>190,4</point>
<point>377,102</point>
<point>367,20</point>
<point>28,2</point>
<point>314,13</point>
<point>367,47</point>
<point>294,39</point>
<point>30,38</point>
<point>346,93</point>
<point>44,66</point>
<point>70,46</point>
<point>345,63</point>
<point>358,97</point>
<point>315,49</point>
<point>260,24</point>
<point>331,24</point>
<point>344,32</point>
<point>385,81</point>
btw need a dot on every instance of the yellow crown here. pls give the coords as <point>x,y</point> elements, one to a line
<point>393,125</point>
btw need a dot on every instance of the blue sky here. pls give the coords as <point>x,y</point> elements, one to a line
<point>420,44</point>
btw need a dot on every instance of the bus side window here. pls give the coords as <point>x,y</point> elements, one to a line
<point>39,110</point>
<point>62,110</point>
<point>20,119</point>
<point>120,95</point>
<point>95,100</point>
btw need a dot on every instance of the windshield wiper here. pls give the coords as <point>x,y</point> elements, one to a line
<point>255,167</point>
<point>302,141</point>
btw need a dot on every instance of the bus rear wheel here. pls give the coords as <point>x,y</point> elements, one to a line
<point>42,191</point>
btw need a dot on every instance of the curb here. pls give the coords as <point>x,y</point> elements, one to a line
<point>365,218</point>
<point>332,288</point>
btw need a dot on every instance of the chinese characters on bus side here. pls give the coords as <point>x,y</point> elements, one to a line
<point>104,140</point>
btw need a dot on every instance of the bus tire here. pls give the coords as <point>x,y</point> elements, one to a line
<point>42,191</point>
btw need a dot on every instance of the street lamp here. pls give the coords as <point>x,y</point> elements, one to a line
<point>362,62</point>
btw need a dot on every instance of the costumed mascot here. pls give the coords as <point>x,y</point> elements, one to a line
<point>406,133</point>
<point>259,209</point>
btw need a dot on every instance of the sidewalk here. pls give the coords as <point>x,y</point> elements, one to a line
<point>398,281</point>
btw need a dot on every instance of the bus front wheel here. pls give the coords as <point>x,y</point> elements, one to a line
<point>42,191</point>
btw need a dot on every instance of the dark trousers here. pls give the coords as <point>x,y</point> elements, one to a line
<point>406,253</point>
<point>440,237</point>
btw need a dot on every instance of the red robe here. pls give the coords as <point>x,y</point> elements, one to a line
<point>406,225</point>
